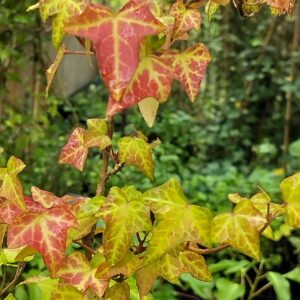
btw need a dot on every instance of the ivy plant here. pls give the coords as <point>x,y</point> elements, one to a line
<point>128,238</point>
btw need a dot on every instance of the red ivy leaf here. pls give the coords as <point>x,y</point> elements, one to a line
<point>189,67</point>
<point>153,78</point>
<point>185,19</point>
<point>46,232</point>
<point>79,273</point>
<point>74,152</point>
<point>116,39</point>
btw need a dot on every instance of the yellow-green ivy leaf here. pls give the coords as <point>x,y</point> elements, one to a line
<point>136,151</point>
<point>97,134</point>
<point>119,291</point>
<point>125,213</point>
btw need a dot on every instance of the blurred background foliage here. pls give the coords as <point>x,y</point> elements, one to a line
<point>242,133</point>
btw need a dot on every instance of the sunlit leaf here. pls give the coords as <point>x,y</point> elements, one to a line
<point>185,18</point>
<point>239,229</point>
<point>125,214</point>
<point>46,232</point>
<point>153,78</point>
<point>136,151</point>
<point>78,272</point>
<point>117,38</point>
<point>279,7</point>
<point>11,188</point>
<point>189,67</point>
<point>211,8</point>
<point>177,221</point>
<point>148,108</point>
<point>3,228</point>
<point>229,290</point>
<point>61,12</point>
<point>10,297</point>
<point>75,152</point>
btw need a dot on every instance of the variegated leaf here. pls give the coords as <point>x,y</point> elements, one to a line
<point>136,151</point>
<point>189,67</point>
<point>117,38</point>
<point>46,232</point>
<point>78,272</point>
<point>75,152</point>
<point>125,214</point>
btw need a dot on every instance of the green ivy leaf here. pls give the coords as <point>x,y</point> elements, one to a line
<point>229,290</point>
<point>280,284</point>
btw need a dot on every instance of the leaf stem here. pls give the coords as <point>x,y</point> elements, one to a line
<point>86,247</point>
<point>208,251</point>
<point>104,174</point>
<point>79,52</point>
<point>4,271</point>
<point>257,279</point>
<point>20,268</point>
<point>260,291</point>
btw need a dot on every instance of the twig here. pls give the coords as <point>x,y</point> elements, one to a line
<point>86,247</point>
<point>208,251</point>
<point>79,52</point>
<point>256,280</point>
<point>20,268</point>
<point>261,290</point>
<point>187,296</point>
<point>4,271</point>
<point>104,174</point>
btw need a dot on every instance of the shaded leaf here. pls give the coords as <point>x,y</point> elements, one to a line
<point>119,291</point>
<point>280,284</point>
<point>51,71</point>
<point>293,275</point>
<point>229,290</point>
<point>97,134</point>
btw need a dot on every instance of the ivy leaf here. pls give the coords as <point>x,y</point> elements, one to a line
<point>11,188</point>
<point>153,78</point>
<point>3,228</point>
<point>75,152</point>
<point>136,151</point>
<point>170,268</point>
<point>290,189</point>
<point>10,297</point>
<point>119,291</point>
<point>279,7</point>
<point>47,199</point>
<point>239,229</point>
<point>126,266</point>
<point>78,272</point>
<point>117,38</point>
<point>66,292</point>
<point>46,232</point>
<point>125,214</point>
<point>185,18</point>
<point>62,12</point>
<point>192,224</point>
<point>148,108</point>
<point>189,67</point>
<point>165,197</point>
<point>51,71</point>
<point>97,134</point>
<point>211,8</point>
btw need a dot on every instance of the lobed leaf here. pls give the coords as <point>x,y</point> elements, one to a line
<point>119,291</point>
<point>66,292</point>
<point>61,11</point>
<point>185,18</point>
<point>97,134</point>
<point>136,151</point>
<point>186,223</point>
<point>46,232</point>
<point>152,78</point>
<point>117,38</point>
<point>125,214</point>
<point>189,67</point>
<point>78,272</point>
<point>75,152</point>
